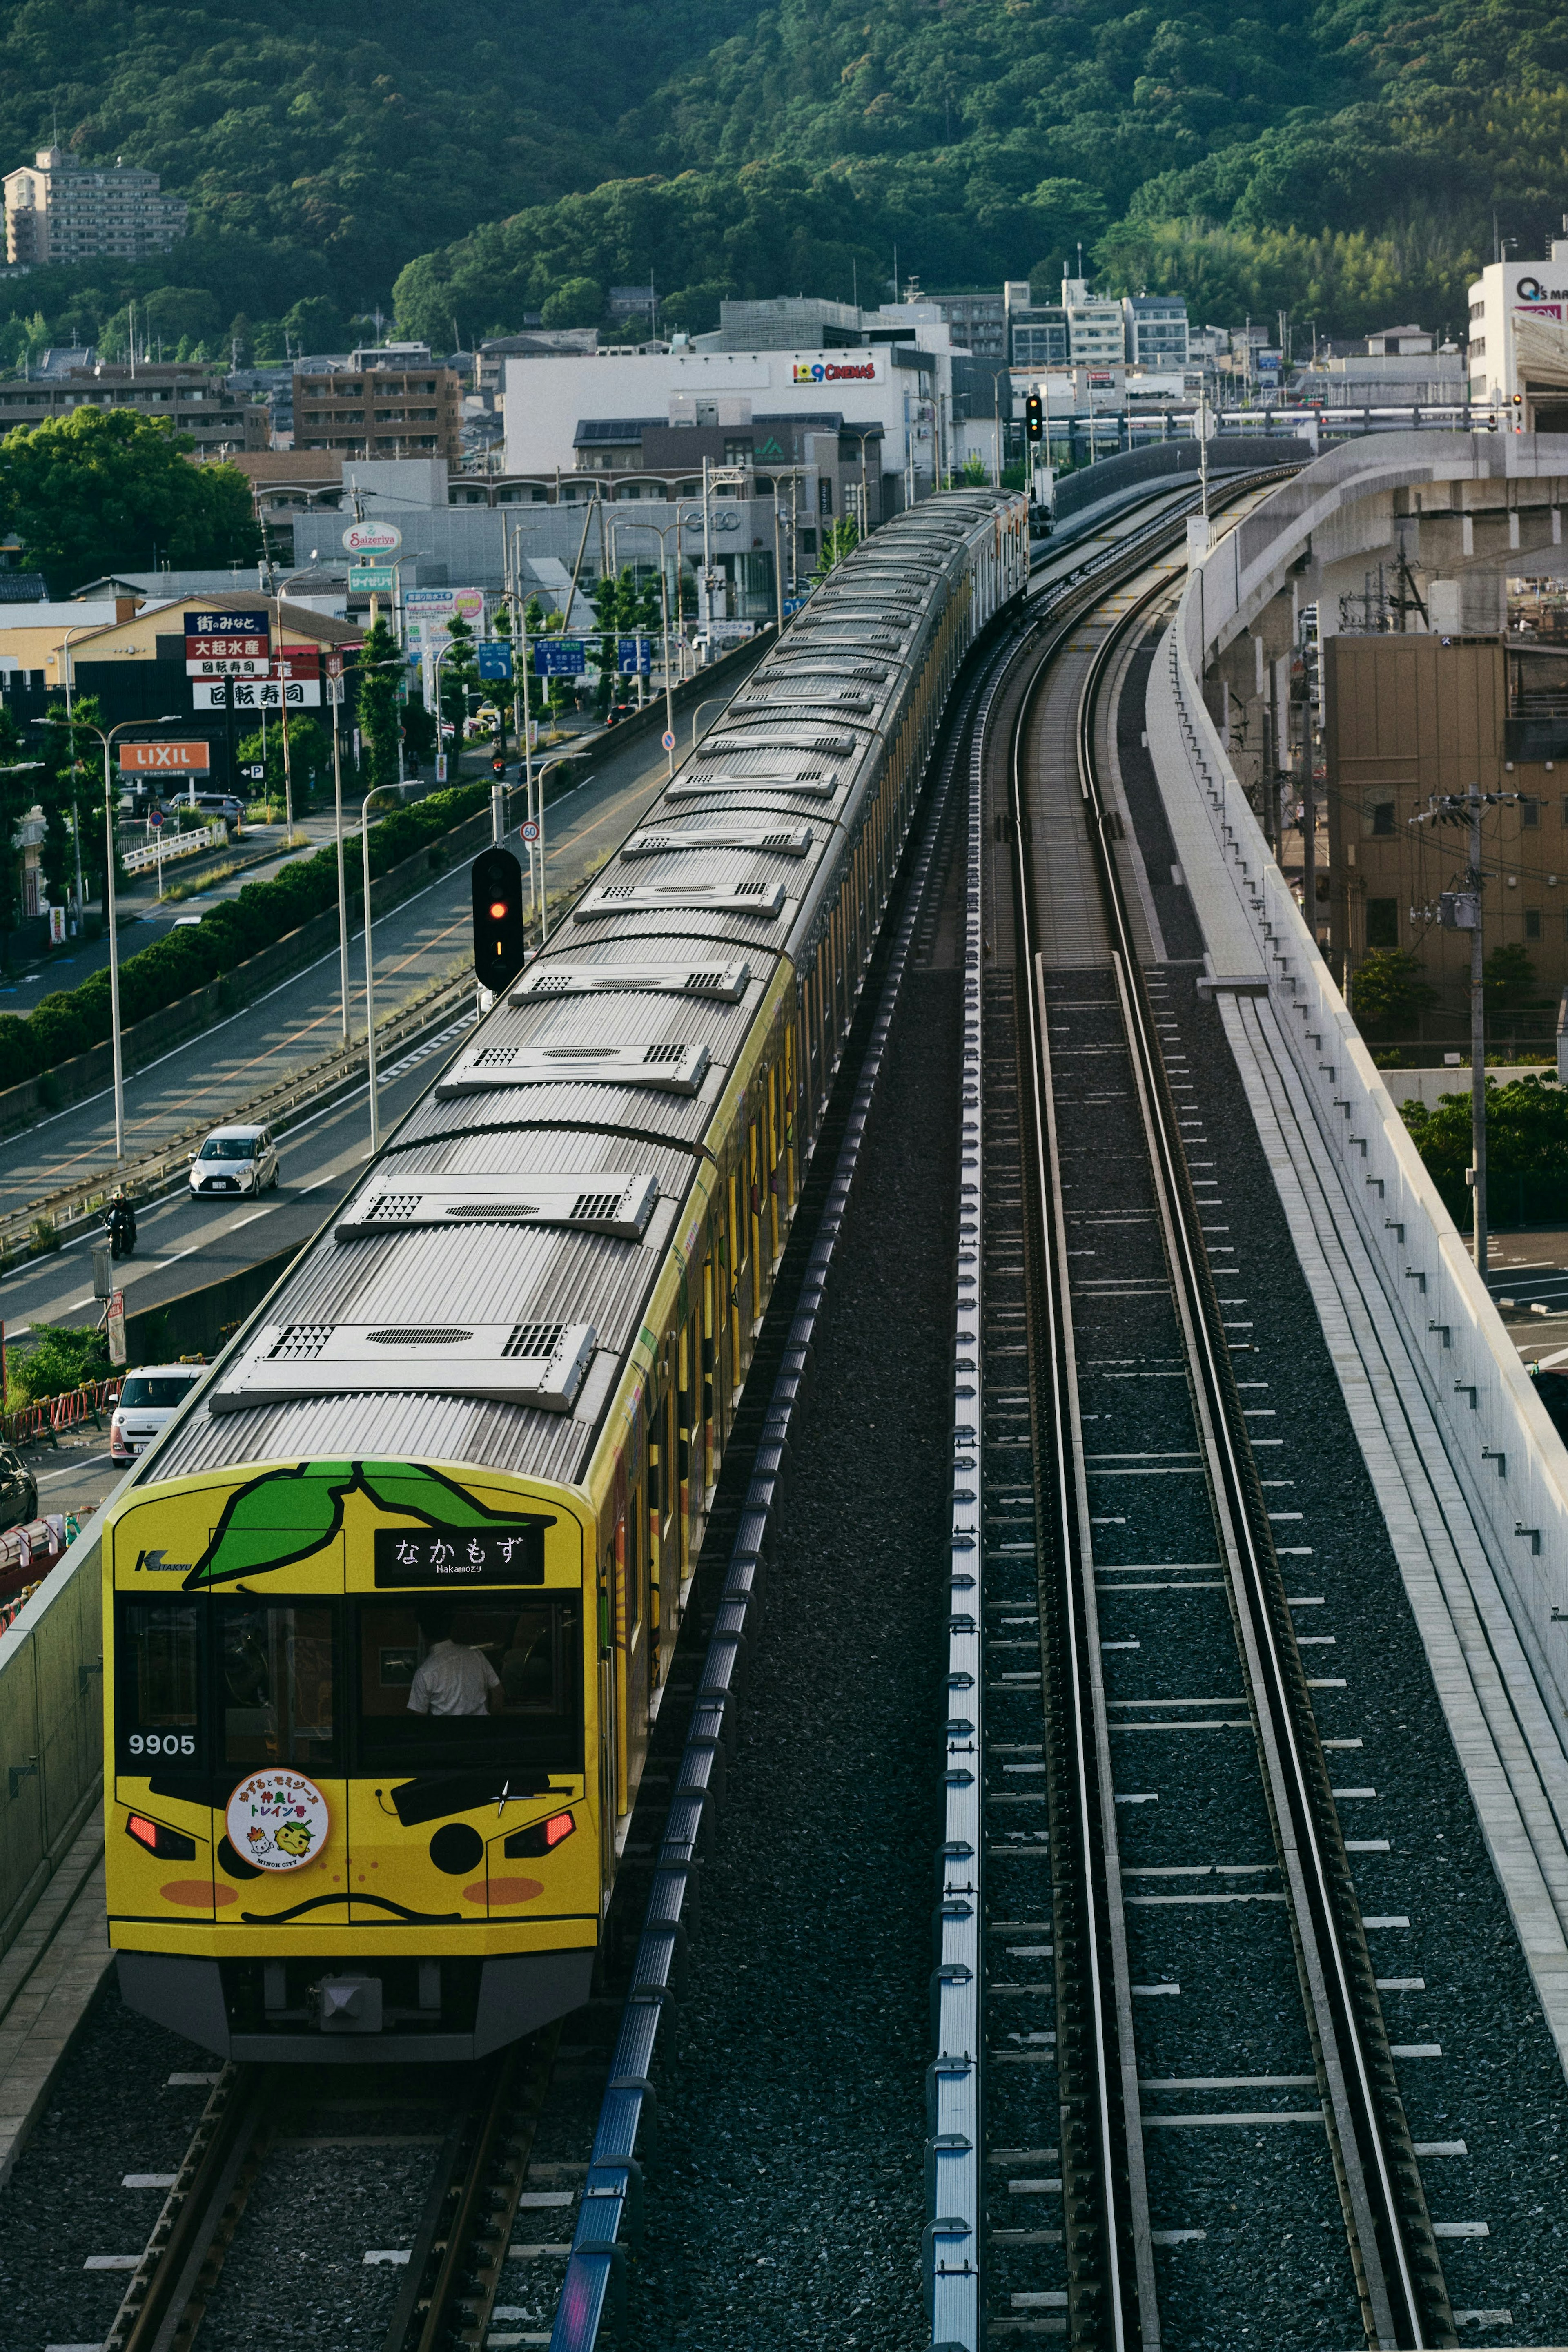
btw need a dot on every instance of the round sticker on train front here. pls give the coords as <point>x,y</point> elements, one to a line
<point>277,1818</point>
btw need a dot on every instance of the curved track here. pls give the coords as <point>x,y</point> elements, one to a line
<point>1129,1281</point>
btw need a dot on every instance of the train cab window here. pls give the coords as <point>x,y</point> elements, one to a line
<point>158,1702</point>
<point>453,1680</point>
<point>276,1681</point>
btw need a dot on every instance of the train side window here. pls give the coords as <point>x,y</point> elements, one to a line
<point>158,1702</point>
<point>278,1678</point>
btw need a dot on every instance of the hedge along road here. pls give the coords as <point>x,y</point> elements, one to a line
<point>215,1075</point>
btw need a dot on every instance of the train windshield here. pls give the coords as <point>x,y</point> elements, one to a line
<point>223,1685</point>
<point>450,1681</point>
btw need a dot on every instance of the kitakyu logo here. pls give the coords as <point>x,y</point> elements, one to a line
<point>835,372</point>
<point>158,1563</point>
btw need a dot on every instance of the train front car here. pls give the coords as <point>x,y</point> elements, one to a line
<point>392,1601</point>
<point>352,1812</point>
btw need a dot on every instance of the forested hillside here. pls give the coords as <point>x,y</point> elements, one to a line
<point>1343,159</point>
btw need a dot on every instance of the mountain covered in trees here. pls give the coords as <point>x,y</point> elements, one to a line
<point>1349,160</point>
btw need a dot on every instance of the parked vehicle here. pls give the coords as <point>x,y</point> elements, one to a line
<point>147,1398</point>
<point>235,1159</point>
<point>19,1490</point>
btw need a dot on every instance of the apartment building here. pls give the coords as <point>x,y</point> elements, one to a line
<point>1409,717</point>
<point>390,402</point>
<point>60,210</point>
<point>1155,328</point>
<point>195,400</point>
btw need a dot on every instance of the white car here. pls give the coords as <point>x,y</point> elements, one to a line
<point>235,1159</point>
<point>148,1397</point>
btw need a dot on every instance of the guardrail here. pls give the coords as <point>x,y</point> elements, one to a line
<point>179,845</point>
<point>51,1415</point>
<point>1496,1431</point>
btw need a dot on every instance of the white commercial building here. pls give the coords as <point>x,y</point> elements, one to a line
<point>1096,333</point>
<point>580,416</point>
<point>1519,341</point>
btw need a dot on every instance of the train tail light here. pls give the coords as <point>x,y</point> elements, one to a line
<point>169,1845</point>
<point>542,1837</point>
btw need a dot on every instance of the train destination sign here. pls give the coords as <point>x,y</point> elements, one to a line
<point>457,1557</point>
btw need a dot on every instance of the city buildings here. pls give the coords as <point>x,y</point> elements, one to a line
<point>1155,328</point>
<point>195,399</point>
<point>389,400</point>
<point>60,210</point>
<point>1519,340</point>
<point>847,424</point>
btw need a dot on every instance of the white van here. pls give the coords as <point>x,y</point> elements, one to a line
<point>148,1397</point>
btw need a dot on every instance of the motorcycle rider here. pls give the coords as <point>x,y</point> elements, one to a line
<point>120,1219</point>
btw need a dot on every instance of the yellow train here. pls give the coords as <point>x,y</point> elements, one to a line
<point>390,1605</point>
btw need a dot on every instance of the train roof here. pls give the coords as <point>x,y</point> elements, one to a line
<point>588,1101</point>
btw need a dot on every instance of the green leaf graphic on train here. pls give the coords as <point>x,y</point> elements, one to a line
<point>285,1515</point>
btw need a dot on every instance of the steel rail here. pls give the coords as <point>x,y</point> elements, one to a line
<point>1112,2292</point>
<point>162,2305</point>
<point>1404,2301</point>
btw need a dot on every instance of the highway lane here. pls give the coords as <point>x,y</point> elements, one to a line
<point>299,1022</point>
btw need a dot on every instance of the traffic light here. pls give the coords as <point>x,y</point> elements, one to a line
<point>499,947</point>
<point>1034,417</point>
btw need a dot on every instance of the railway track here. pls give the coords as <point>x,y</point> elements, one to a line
<point>481,2125</point>
<point>1117,1469</point>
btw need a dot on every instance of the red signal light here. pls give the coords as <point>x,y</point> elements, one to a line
<point>499,910</point>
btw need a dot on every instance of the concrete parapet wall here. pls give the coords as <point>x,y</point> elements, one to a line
<point>1508,1460</point>
<point>51,1727</point>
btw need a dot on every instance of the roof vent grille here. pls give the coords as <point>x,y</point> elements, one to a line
<point>668,1070</point>
<point>419,1335</point>
<point>594,1204</point>
<point>394,1208</point>
<point>297,1343</point>
<point>493,1212</point>
<point>534,1339</point>
<point>664,1053</point>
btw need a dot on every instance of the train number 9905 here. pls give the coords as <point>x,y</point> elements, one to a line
<point>164,1743</point>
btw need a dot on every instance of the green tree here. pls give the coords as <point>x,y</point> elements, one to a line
<point>1508,981</point>
<point>1527,1130</point>
<point>99,490</point>
<point>1388,993</point>
<point>380,667</point>
<point>459,674</point>
<point>577,302</point>
<point>838,541</point>
<point>310,756</point>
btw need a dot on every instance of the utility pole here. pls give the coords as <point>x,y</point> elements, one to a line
<point>1477,1038</point>
<point>1309,818</point>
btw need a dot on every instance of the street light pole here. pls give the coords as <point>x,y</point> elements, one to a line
<point>335,687</point>
<point>369,968</point>
<point>106,739</point>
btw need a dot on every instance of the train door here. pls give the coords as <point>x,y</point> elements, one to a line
<point>789,1106</point>
<point>688,1469</point>
<point>709,1409</point>
<point>611,1751</point>
<point>736,1249</point>
<point>635,1650</point>
<point>773,1154</point>
<point>754,1213</point>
